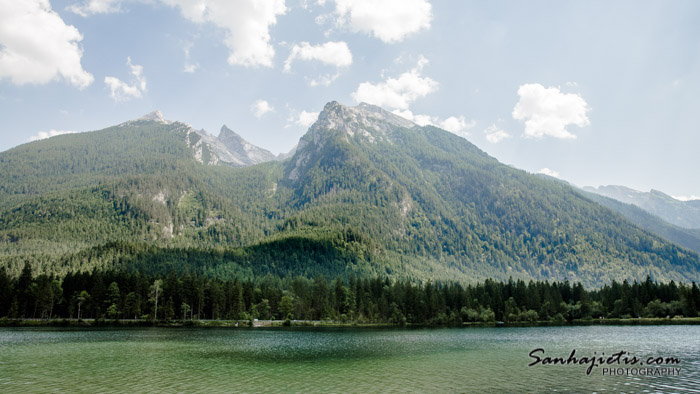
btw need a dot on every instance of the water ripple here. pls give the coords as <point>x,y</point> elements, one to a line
<point>335,360</point>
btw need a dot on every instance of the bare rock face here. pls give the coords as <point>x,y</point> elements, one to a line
<point>365,121</point>
<point>155,116</point>
<point>151,117</point>
<point>229,147</point>
<point>242,150</point>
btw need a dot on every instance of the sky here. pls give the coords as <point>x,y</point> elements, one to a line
<point>594,92</point>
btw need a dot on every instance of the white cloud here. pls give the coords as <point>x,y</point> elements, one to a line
<point>91,7</point>
<point>36,45</point>
<point>323,79</point>
<point>397,93</point>
<point>332,53</point>
<point>246,22</point>
<point>189,67</point>
<point>548,111</point>
<point>260,108</point>
<point>420,120</point>
<point>122,91</point>
<point>388,20</point>
<point>454,124</point>
<point>495,135</point>
<point>48,134</point>
<point>547,171</point>
<point>457,125</point>
<point>306,119</point>
<point>686,198</point>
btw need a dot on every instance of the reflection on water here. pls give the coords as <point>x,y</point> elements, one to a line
<point>337,360</point>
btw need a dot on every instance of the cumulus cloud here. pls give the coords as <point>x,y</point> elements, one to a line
<point>36,45</point>
<point>548,111</point>
<point>495,135</point>
<point>306,119</point>
<point>389,20</point>
<point>454,124</point>
<point>686,198</point>
<point>122,91</point>
<point>397,93</point>
<point>420,120</point>
<point>91,7</point>
<point>260,108</point>
<point>331,53</point>
<point>547,171</point>
<point>246,22</point>
<point>48,134</point>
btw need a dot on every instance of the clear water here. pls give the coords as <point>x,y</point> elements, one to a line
<point>336,360</point>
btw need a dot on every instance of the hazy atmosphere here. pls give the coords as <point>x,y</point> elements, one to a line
<point>594,93</point>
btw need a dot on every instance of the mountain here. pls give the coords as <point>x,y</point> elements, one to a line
<point>244,151</point>
<point>366,192</point>
<point>228,147</point>
<point>684,214</point>
<point>687,238</point>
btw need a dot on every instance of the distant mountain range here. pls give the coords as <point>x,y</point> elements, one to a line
<point>365,192</point>
<point>684,214</point>
<point>688,238</point>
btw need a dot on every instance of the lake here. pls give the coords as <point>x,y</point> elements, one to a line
<point>342,359</point>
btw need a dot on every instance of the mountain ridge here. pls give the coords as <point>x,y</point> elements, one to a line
<point>365,193</point>
<point>684,214</point>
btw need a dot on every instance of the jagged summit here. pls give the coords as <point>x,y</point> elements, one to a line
<point>228,147</point>
<point>228,135</point>
<point>364,119</point>
<point>364,123</point>
<point>243,150</point>
<point>155,116</point>
<point>225,132</point>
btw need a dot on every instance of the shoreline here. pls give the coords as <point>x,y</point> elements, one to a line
<point>126,323</point>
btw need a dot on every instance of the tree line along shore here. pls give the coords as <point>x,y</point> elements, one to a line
<point>190,299</point>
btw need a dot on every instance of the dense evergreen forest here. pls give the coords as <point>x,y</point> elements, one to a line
<point>114,295</point>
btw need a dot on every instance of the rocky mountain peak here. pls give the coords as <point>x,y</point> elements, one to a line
<point>364,122</point>
<point>243,150</point>
<point>364,119</point>
<point>155,116</point>
<point>367,121</point>
<point>227,134</point>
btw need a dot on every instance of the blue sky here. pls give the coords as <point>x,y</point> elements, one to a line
<point>593,92</point>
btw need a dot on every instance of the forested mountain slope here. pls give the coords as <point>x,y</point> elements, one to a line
<point>688,238</point>
<point>366,192</point>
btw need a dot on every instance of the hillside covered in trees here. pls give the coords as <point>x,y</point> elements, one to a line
<point>366,194</point>
<point>114,295</point>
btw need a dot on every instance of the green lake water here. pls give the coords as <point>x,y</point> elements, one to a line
<point>338,360</point>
